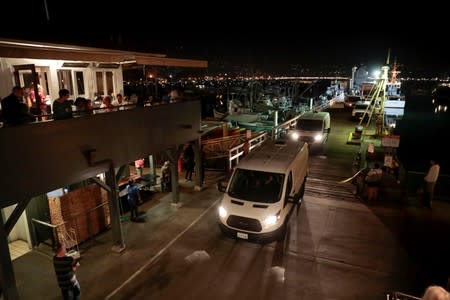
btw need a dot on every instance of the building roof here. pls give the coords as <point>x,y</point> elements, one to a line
<point>38,50</point>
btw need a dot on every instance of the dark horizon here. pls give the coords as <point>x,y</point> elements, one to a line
<point>280,42</point>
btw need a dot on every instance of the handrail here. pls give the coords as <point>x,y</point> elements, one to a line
<point>86,212</point>
<point>291,122</point>
<point>351,178</point>
<point>46,117</point>
<point>45,223</point>
<point>72,218</point>
<point>425,173</point>
<point>402,296</point>
<point>223,139</point>
<point>287,123</point>
<point>239,150</point>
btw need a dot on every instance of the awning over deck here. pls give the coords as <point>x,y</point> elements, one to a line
<point>38,50</point>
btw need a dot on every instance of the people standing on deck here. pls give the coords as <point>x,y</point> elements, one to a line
<point>83,107</point>
<point>395,167</point>
<point>189,161</point>
<point>119,101</point>
<point>166,177</point>
<point>14,111</point>
<point>435,292</point>
<point>139,166</point>
<point>133,197</point>
<point>32,99</point>
<point>430,182</point>
<point>62,107</point>
<point>203,165</point>
<point>106,104</point>
<point>65,268</point>
<point>373,179</point>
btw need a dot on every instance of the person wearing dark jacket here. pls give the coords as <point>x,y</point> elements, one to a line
<point>189,161</point>
<point>62,107</point>
<point>14,111</point>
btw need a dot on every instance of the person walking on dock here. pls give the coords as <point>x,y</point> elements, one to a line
<point>430,182</point>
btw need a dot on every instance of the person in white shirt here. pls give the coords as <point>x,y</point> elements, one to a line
<point>119,100</point>
<point>430,182</point>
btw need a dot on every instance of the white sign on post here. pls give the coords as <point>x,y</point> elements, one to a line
<point>392,141</point>
<point>388,161</point>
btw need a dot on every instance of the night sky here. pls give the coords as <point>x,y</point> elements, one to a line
<point>279,38</point>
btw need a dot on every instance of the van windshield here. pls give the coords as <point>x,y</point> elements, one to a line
<point>309,125</point>
<point>256,186</point>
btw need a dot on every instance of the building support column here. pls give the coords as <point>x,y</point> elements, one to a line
<point>15,215</point>
<point>172,153</point>
<point>122,171</point>
<point>198,165</point>
<point>152,165</point>
<point>7,279</point>
<point>114,209</point>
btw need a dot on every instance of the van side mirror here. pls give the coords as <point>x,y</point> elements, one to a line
<point>222,185</point>
<point>328,130</point>
<point>291,199</point>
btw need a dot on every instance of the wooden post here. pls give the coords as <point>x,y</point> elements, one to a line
<point>7,279</point>
<point>114,210</point>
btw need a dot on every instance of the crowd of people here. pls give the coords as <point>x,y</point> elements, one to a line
<point>20,106</point>
<point>374,176</point>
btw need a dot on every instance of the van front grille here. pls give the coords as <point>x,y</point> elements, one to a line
<point>307,139</point>
<point>244,223</point>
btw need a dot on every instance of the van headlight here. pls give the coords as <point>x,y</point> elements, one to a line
<point>222,212</point>
<point>271,220</point>
<point>295,136</point>
<point>318,137</point>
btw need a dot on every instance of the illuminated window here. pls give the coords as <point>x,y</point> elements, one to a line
<point>65,80</point>
<point>80,82</point>
<point>99,77</point>
<point>109,83</point>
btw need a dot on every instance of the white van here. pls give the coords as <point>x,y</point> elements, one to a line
<point>263,189</point>
<point>313,128</point>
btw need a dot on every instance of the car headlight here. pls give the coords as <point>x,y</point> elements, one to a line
<point>295,136</point>
<point>222,212</point>
<point>318,137</point>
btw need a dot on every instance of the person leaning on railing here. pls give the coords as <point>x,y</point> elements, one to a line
<point>62,107</point>
<point>430,182</point>
<point>14,110</point>
<point>435,292</point>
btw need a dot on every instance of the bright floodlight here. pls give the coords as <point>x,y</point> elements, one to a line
<point>377,73</point>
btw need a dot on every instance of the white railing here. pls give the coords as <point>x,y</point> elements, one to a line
<point>401,296</point>
<point>60,233</point>
<point>276,130</point>
<point>220,146</point>
<point>236,152</point>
